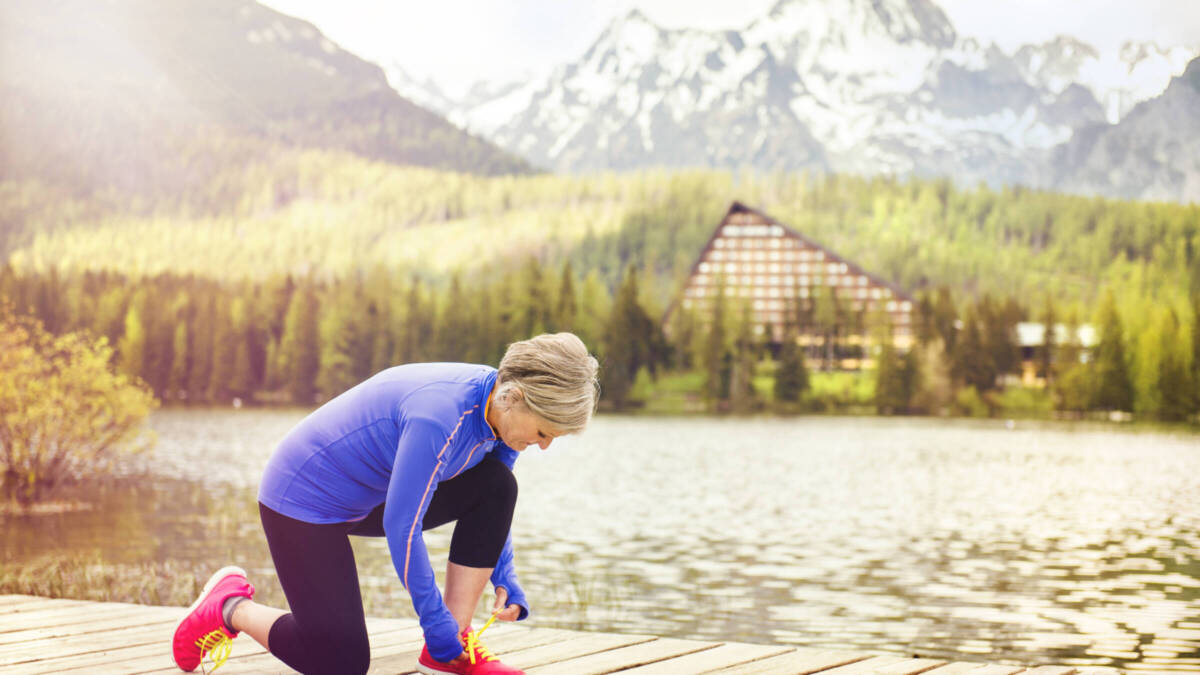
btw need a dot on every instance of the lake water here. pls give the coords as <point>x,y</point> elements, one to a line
<point>1032,543</point>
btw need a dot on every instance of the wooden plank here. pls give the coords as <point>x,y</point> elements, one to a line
<point>68,632</point>
<point>571,648</point>
<point>996,669</point>
<point>12,602</point>
<point>512,639</point>
<point>1050,670</point>
<point>61,616</point>
<point>797,662</point>
<point>265,662</point>
<point>250,657</point>
<point>911,667</point>
<point>622,658</point>
<point>721,656</point>
<point>505,641</point>
<point>878,664</point>
<point>43,650</point>
<point>958,668</point>
<point>116,659</point>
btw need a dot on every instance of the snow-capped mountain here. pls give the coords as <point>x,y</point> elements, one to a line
<point>863,86</point>
<point>1153,153</point>
<point>1137,72</point>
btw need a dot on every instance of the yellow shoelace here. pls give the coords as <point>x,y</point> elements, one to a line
<point>473,643</point>
<point>217,646</point>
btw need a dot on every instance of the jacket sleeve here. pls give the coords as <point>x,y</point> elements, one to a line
<point>505,573</point>
<point>418,467</point>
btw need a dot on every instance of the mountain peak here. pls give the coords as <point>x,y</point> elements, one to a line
<point>903,20</point>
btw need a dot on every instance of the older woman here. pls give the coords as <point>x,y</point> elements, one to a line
<point>413,447</point>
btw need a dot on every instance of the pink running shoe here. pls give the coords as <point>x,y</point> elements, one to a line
<point>477,661</point>
<point>202,630</point>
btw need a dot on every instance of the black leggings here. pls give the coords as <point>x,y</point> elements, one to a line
<point>326,631</point>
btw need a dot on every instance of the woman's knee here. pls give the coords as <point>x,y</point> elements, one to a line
<point>502,482</point>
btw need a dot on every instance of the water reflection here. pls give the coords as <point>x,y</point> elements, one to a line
<point>1036,545</point>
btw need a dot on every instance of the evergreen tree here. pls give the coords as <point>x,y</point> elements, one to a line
<point>594,308</point>
<point>791,375</point>
<point>825,319</point>
<point>999,331</point>
<point>225,345</point>
<point>414,343</point>
<point>243,381</point>
<point>534,300</point>
<point>1114,390</point>
<point>181,353</point>
<point>132,347</point>
<point>745,356</point>
<point>567,306</point>
<point>345,347</point>
<point>973,364</point>
<point>890,394</point>
<point>201,341</point>
<point>631,342</point>
<point>717,359</point>
<point>1174,376</point>
<point>454,329</point>
<point>1049,351</point>
<point>945,319</point>
<point>299,350</point>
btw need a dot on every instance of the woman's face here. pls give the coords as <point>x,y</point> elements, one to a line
<point>519,428</point>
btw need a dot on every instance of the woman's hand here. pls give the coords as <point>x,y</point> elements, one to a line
<point>501,609</point>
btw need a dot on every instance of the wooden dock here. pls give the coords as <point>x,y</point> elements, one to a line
<point>41,635</point>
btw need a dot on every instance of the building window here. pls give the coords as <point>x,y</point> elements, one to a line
<point>703,267</point>
<point>906,306</point>
<point>862,281</point>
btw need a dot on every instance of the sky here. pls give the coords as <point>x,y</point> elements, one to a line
<point>458,42</point>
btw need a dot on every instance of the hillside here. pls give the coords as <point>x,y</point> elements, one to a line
<point>152,98</point>
<point>343,215</point>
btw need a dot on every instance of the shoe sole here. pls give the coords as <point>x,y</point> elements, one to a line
<point>430,670</point>
<point>212,581</point>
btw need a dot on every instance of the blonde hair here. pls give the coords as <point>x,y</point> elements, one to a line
<point>555,378</point>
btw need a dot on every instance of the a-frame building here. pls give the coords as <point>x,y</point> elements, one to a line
<point>789,282</point>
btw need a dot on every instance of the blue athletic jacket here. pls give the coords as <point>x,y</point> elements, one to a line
<point>392,439</point>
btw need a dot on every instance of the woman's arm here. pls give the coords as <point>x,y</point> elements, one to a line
<point>505,574</point>
<point>418,468</point>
